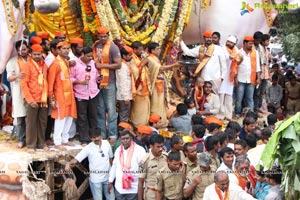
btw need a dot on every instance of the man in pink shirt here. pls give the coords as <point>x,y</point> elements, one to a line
<point>84,77</point>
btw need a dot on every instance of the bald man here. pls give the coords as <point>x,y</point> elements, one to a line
<point>222,189</point>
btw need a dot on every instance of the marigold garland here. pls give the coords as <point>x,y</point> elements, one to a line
<point>164,23</point>
<point>87,8</point>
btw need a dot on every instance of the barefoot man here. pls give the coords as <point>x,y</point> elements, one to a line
<point>61,97</point>
<point>34,90</point>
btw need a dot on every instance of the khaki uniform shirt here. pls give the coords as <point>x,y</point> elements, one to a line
<point>207,179</point>
<point>149,165</point>
<point>191,165</point>
<point>215,163</point>
<point>170,182</point>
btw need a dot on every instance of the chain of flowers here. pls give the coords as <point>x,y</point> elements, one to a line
<point>168,14</point>
<point>106,18</point>
<point>184,14</point>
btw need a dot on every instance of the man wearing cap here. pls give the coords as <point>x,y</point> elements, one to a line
<point>248,75</point>
<point>35,40</point>
<point>233,59</point>
<point>142,83</point>
<point>155,123</point>
<point>35,92</point>
<point>142,136</point>
<point>53,52</point>
<point>43,35</point>
<point>61,97</point>
<point>84,77</point>
<point>61,36</point>
<point>199,178</point>
<point>125,168</point>
<point>212,60</point>
<point>108,59</point>
<point>76,48</point>
<point>223,189</point>
<point>49,60</point>
<point>125,84</point>
<point>45,42</point>
<point>121,127</point>
<point>149,165</point>
<point>14,76</point>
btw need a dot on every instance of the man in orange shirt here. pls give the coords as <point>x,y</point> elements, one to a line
<point>61,96</point>
<point>34,89</point>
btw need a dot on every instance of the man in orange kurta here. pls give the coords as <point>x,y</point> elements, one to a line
<point>34,90</point>
<point>61,97</point>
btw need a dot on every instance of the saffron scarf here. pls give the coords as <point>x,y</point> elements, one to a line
<point>67,85</point>
<point>127,178</point>
<point>102,55</point>
<point>42,82</point>
<point>253,66</point>
<point>136,60</point>
<point>198,94</point>
<point>204,56</point>
<point>218,191</point>
<point>234,64</point>
<point>21,61</point>
<point>242,180</point>
<point>133,88</point>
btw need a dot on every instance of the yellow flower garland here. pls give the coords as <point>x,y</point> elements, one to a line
<point>185,13</point>
<point>162,29</point>
<point>107,19</point>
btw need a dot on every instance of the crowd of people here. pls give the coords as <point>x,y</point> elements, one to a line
<point>116,98</point>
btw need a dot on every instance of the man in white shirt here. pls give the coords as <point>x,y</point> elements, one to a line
<point>248,75</point>
<point>100,156</point>
<point>210,102</point>
<point>14,76</point>
<point>222,189</point>
<point>76,49</point>
<point>124,83</point>
<point>125,168</point>
<point>212,60</point>
<point>227,157</point>
<point>233,58</point>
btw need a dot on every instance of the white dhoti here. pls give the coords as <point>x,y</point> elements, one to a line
<point>226,107</point>
<point>61,130</point>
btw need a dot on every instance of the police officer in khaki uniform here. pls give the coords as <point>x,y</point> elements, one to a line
<point>170,179</point>
<point>149,165</point>
<point>212,145</point>
<point>177,145</point>
<point>199,178</point>
<point>191,156</point>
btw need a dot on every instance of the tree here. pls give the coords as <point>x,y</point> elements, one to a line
<point>289,27</point>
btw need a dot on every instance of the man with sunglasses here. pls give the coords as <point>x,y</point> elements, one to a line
<point>99,154</point>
